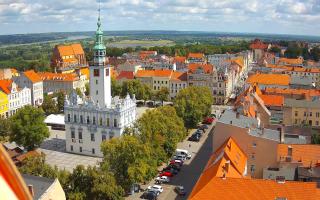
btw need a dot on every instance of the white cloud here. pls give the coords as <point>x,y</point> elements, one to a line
<point>205,15</point>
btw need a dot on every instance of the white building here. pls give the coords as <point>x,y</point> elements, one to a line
<point>91,121</point>
<point>30,79</point>
<point>18,97</point>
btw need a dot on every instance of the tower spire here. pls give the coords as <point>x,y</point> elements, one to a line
<point>99,10</point>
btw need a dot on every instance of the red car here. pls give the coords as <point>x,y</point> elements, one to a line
<point>178,162</point>
<point>208,120</point>
<point>168,174</point>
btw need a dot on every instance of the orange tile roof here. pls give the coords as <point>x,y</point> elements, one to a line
<point>307,154</point>
<point>33,153</point>
<point>269,79</point>
<point>32,76</point>
<point>272,100</point>
<point>5,86</point>
<point>179,76</point>
<point>228,154</point>
<point>287,91</point>
<point>125,74</point>
<point>180,59</point>
<point>207,68</point>
<point>258,44</point>
<point>291,61</point>
<point>85,71</point>
<point>154,73</point>
<point>67,50</point>
<point>239,61</point>
<point>252,189</point>
<point>48,76</point>
<point>196,55</point>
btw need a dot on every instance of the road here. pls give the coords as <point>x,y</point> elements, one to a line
<point>191,170</point>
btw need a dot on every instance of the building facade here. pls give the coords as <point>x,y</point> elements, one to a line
<point>4,105</point>
<point>91,121</point>
<point>30,79</point>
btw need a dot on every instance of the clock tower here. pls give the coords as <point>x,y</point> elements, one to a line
<point>100,76</point>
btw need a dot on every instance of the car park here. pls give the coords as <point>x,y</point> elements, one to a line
<point>157,188</point>
<point>180,190</point>
<point>162,179</point>
<point>167,174</point>
<point>150,195</point>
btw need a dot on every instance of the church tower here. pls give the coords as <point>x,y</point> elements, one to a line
<point>100,77</point>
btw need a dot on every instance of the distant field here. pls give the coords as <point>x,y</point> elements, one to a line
<point>141,43</point>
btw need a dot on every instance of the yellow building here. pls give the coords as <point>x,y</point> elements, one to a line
<point>4,102</point>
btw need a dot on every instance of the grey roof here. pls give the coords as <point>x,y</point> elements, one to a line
<point>229,117</point>
<point>40,184</point>
<point>12,145</point>
<point>301,103</point>
<point>313,172</point>
<point>251,123</point>
<point>297,80</point>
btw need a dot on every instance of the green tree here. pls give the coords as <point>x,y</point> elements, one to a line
<point>275,49</point>
<point>28,128</point>
<point>60,101</point>
<point>115,87</point>
<point>193,103</point>
<point>79,92</point>
<point>315,53</point>
<point>163,94</point>
<point>129,159</point>
<point>49,106</point>
<point>162,128</point>
<point>315,138</point>
<point>87,92</point>
<point>4,129</point>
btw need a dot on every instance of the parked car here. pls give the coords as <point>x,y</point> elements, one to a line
<point>150,195</point>
<point>204,127</point>
<point>183,152</point>
<point>208,120</point>
<point>180,157</point>
<point>167,174</point>
<point>179,162</point>
<point>162,179</point>
<point>175,166</point>
<point>180,190</point>
<point>194,137</point>
<point>171,170</point>
<point>150,104</point>
<point>157,188</point>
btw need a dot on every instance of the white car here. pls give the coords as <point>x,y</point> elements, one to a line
<point>156,188</point>
<point>162,179</point>
<point>180,157</point>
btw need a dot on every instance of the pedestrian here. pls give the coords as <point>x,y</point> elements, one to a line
<point>189,145</point>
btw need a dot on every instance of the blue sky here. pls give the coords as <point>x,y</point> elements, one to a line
<point>253,16</point>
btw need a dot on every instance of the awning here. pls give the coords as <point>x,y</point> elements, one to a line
<point>55,119</point>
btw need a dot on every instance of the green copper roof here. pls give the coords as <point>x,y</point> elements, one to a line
<point>99,44</point>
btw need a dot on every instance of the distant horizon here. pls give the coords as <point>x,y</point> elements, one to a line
<point>162,30</point>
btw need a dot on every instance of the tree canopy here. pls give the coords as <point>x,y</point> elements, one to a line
<point>28,128</point>
<point>192,104</point>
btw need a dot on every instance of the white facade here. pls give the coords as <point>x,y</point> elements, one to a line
<point>18,98</point>
<point>100,117</point>
<point>176,86</point>
<point>35,87</point>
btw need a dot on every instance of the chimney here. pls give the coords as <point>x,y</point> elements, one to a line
<point>226,166</point>
<point>281,134</point>
<point>289,150</point>
<point>30,187</point>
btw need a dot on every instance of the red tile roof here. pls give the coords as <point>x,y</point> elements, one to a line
<point>180,59</point>
<point>154,73</point>
<point>252,189</point>
<point>272,100</point>
<point>196,55</point>
<point>68,50</point>
<point>228,160</point>
<point>307,154</point>
<point>32,76</point>
<point>48,76</point>
<point>258,44</point>
<point>5,86</point>
<point>179,76</point>
<point>125,74</point>
<point>269,79</point>
<point>207,68</point>
<point>287,91</point>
